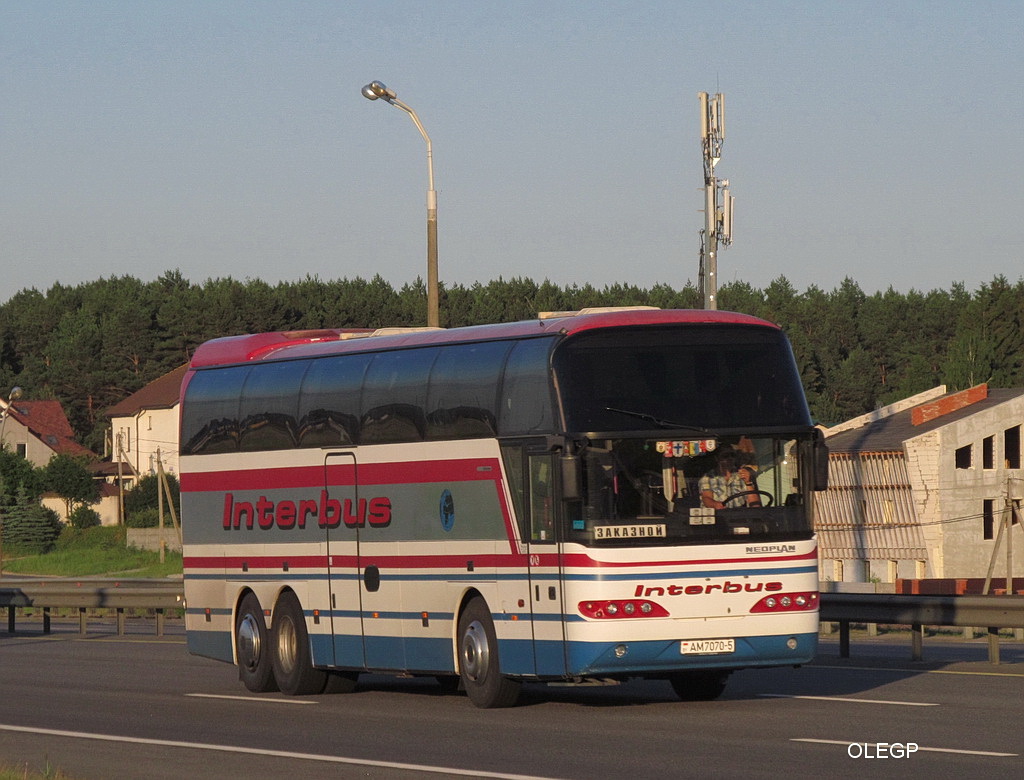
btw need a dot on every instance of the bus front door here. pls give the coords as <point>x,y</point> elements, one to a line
<point>341,490</point>
<point>546,598</point>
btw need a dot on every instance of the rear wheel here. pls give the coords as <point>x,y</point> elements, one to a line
<point>479,666</point>
<point>700,686</point>
<point>293,663</point>
<point>252,647</point>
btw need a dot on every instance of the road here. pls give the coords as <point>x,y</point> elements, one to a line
<point>141,707</point>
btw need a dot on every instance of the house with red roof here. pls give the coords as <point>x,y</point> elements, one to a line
<point>38,430</point>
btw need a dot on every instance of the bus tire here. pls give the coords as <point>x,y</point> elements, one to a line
<point>252,647</point>
<point>700,686</point>
<point>293,662</point>
<point>479,666</point>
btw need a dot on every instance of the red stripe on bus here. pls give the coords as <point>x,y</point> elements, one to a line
<point>396,473</point>
<point>512,560</point>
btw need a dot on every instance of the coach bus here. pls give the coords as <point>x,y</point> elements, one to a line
<point>500,504</point>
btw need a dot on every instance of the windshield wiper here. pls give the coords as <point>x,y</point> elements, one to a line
<point>658,421</point>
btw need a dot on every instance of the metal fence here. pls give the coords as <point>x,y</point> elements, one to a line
<point>989,612</point>
<point>84,595</point>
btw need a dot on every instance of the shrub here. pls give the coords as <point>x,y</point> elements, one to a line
<point>146,518</point>
<point>84,517</point>
<point>144,496</point>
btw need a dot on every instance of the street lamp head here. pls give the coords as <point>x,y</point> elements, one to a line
<point>15,394</point>
<point>376,89</point>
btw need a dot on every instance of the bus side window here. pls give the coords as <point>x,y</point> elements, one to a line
<point>542,499</point>
<point>513,457</point>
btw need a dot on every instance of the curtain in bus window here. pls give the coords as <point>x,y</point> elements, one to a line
<point>270,399</point>
<point>210,411</point>
<point>525,403</point>
<point>329,401</point>
<point>395,396</point>
<point>463,393</point>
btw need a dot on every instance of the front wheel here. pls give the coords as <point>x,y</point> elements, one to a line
<point>700,686</point>
<point>478,660</point>
<point>293,662</point>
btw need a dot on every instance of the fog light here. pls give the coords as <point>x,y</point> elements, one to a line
<point>770,603</point>
<point>612,608</point>
<point>620,651</point>
<point>791,643</point>
<point>629,608</point>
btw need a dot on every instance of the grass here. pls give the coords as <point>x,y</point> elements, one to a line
<point>93,552</point>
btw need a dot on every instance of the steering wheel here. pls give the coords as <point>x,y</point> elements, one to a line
<point>765,493</point>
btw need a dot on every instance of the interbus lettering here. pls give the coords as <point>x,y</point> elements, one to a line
<point>328,512</point>
<point>697,590</point>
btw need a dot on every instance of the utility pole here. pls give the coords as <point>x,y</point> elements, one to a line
<point>718,203</point>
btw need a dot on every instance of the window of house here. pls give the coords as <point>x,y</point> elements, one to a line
<point>988,519</point>
<point>1011,447</point>
<point>963,457</point>
<point>988,453</point>
<point>837,571</point>
<point>22,449</point>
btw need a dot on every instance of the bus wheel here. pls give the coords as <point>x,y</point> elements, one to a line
<point>293,663</point>
<point>252,645</point>
<point>699,686</point>
<point>478,660</point>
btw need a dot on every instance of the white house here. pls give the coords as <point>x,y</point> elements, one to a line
<point>144,426</point>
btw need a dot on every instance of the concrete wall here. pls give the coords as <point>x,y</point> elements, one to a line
<point>149,538</point>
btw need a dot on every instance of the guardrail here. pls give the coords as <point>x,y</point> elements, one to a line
<point>991,612</point>
<point>86,594</point>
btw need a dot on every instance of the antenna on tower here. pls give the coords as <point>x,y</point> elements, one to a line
<point>718,203</point>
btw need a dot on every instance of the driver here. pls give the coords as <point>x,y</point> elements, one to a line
<point>728,480</point>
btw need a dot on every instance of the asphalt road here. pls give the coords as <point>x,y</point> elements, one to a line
<point>141,707</point>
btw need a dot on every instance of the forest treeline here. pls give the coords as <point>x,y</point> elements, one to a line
<point>91,345</point>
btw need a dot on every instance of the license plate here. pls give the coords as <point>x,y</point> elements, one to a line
<point>707,646</point>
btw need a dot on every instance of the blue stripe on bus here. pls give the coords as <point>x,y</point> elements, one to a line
<point>434,655</point>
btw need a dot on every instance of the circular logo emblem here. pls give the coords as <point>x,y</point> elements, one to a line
<point>447,510</point>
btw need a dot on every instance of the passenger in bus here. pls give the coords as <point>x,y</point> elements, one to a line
<point>729,483</point>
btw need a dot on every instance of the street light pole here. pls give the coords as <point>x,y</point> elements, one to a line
<point>376,90</point>
<point>14,395</point>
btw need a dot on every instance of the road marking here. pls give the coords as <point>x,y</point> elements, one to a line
<point>251,698</point>
<point>920,748</point>
<point>916,671</point>
<point>846,698</point>
<point>443,770</point>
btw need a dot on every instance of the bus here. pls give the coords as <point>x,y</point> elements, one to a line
<point>502,504</point>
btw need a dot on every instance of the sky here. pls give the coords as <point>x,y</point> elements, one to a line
<point>878,141</point>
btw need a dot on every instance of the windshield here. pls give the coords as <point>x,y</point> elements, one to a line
<point>697,377</point>
<point>693,490</point>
